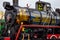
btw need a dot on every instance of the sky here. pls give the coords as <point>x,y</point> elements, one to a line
<point>54,3</point>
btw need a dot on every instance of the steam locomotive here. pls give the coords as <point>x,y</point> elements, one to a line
<point>41,15</point>
<point>32,16</point>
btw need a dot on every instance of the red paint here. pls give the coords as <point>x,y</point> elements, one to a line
<point>49,35</point>
<point>7,38</point>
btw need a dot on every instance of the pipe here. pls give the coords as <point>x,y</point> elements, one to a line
<point>15,2</point>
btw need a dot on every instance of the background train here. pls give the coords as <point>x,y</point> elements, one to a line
<point>2,22</point>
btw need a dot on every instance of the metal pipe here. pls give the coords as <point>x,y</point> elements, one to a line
<point>23,37</point>
<point>15,2</point>
<point>28,36</point>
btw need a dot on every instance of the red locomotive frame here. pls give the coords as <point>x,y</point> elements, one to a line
<point>39,26</point>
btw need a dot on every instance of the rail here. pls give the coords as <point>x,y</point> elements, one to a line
<point>42,26</point>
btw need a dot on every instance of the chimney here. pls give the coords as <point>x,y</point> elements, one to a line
<point>39,0</point>
<point>27,5</point>
<point>15,2</point>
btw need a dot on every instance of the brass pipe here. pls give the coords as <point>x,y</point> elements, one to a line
<point>28,36</point>
<point>23,37</point>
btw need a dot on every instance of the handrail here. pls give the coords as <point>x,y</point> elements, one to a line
<point>41,26</point>
<point>19,31</point>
